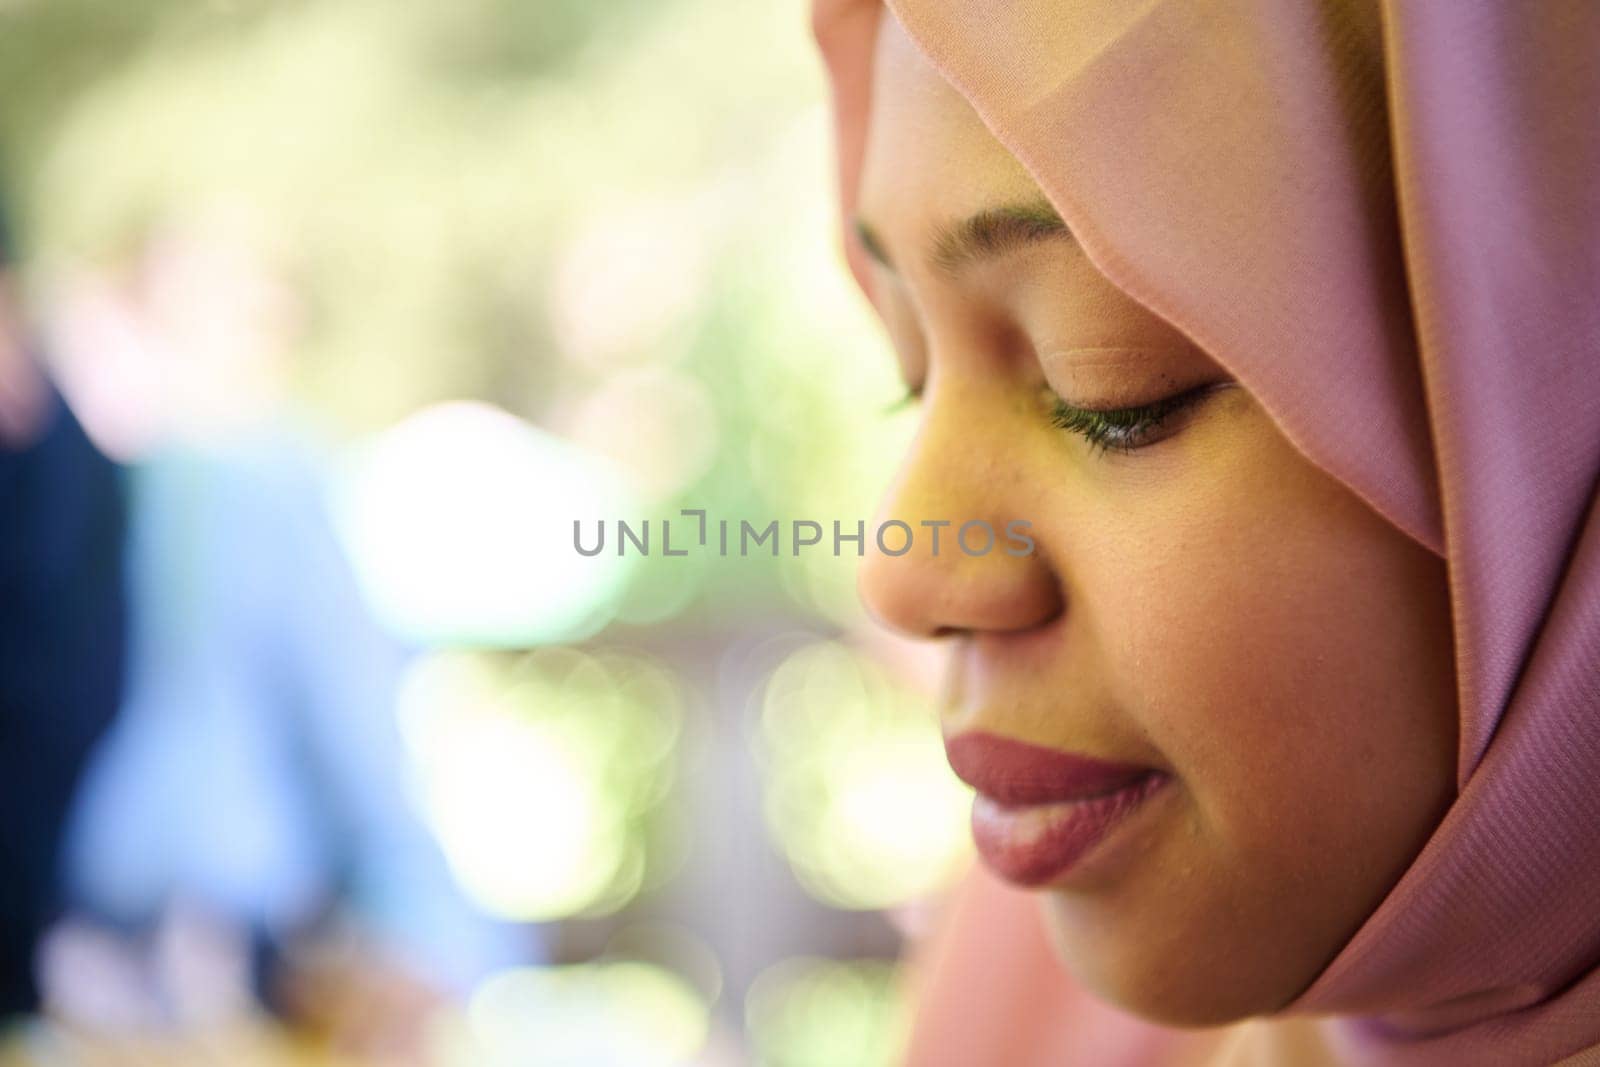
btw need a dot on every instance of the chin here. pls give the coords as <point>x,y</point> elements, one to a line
<point>1161,979</point>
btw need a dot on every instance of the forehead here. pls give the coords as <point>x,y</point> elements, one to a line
<point>928,156</point>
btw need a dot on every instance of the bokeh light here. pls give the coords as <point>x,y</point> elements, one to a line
<point>627,284</point>
<point>460,520</point>
<point>858,792</point>
<point>809,1012</point>
<point>625,1013</point>
<point>545,775</point>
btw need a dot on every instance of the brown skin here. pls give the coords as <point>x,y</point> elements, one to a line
<point>1209,603</point>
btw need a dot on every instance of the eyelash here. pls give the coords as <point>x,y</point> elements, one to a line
<point>1122,429</point>
<point>1106,429</point>
<point>906,400</point>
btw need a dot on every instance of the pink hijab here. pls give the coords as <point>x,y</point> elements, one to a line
<point>1384,218</point>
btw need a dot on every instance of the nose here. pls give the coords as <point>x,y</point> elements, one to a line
<point>955,547</point>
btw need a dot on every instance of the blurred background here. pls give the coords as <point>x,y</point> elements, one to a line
<point>321,322</point>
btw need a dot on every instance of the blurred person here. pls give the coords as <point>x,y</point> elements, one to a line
<point>246,830</point>
<point>1278,324</point>
<point>62,620</point>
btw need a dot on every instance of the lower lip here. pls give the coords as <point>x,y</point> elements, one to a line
<point>1038,844</point>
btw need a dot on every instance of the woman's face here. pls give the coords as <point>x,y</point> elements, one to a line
<point>1201,600</point>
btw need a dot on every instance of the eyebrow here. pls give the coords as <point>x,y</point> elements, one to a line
<point>989,234</point>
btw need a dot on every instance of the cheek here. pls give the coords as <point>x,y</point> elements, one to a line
<point>1283,647</point>
<point>1288,655</point>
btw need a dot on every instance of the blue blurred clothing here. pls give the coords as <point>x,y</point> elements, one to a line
<point>61,656</point>
<point>256,767</point>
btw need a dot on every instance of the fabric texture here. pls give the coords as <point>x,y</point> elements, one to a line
<point>1384,218</point>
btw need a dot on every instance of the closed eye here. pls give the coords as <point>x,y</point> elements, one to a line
<point>1128,428</point>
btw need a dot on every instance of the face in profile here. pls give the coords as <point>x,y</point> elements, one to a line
<point>1264,662</point>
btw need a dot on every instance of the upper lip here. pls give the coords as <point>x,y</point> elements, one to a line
<point>1016,773</point>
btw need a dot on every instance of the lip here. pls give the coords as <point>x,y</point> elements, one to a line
<point>1040,811</point>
